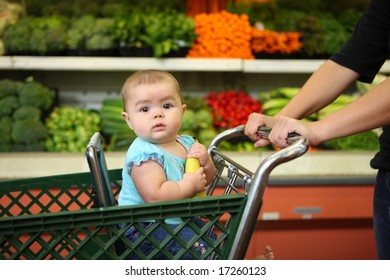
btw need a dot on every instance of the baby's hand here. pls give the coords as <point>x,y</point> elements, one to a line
<point>199,151</point>
<point>198,178</point>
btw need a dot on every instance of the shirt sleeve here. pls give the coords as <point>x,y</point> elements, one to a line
<point>368,47</point>
<point>142,151</point>
<point>186,140</point>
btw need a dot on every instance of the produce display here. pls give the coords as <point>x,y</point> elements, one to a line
<point>168,31</point>
<point>198,120</point>
<point>114,128</point>
<point>222,34</point>
<point>161,31</point>
<point>272,42</point>
<point>153,32</point>
<point>90,35</point>
<point>274,100</point>
<point>336,105</point>
<point>29,121</point>
<point>165,28</point>
<point>231,108</point>
<point>9,14</point>
<point>23,106</point>
<point>364,141</point>
<point>36,36</point>
<point>70,129</point>
<point>324,25</point>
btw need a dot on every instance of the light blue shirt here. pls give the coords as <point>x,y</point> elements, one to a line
<point>141,151</point>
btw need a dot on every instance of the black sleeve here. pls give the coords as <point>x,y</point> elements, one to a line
<point>369,45</point>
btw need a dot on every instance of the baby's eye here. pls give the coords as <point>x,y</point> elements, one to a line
<point>144,109</point>
<point>167,106</point>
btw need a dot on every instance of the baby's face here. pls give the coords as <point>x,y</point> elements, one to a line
<point>154,112</point>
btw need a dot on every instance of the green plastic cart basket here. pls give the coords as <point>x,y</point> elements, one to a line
<point>74,216</point>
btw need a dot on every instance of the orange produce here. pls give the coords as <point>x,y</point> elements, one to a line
<point>267,41</point>
<point>222,35</point>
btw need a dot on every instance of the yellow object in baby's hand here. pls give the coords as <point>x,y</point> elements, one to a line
<point>192,165</point>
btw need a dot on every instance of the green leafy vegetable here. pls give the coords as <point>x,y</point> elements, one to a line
<point>364,141</point>
<point>70,129</point>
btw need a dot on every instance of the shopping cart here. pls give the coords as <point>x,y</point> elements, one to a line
<point>75,216</point>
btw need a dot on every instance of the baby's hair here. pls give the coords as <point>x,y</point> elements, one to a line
<point>148,77</point>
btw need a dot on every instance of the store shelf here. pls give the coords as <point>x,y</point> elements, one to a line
<point>293,66</point>
<point>281,65</point>
<point>72,63</point>
<point>69,63</point>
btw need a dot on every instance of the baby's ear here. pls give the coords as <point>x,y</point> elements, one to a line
<point>126,117</point>
<point>184,107</point>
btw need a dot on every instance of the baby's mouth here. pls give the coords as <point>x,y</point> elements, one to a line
<point>158,126</point>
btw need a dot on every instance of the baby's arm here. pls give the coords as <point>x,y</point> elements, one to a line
<point>199,151</point>
<point>151,183</point>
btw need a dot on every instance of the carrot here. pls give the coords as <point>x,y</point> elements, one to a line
<point>267,41</point>
<point>222,35</point>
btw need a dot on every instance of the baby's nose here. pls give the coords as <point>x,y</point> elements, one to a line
<point>158,114</point>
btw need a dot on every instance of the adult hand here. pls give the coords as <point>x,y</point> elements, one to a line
<point>255,120</point>
<point>281,127</point>
<point>284,126</point>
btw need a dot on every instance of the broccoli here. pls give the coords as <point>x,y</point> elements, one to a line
<point>8,88</point>
<point>21,106</point>
<point>26,112</point>
<point>8,105</point>
<point>16,36</point>
<point>37,41</point>
<point>31,147</point>
<point>28,132</point>
<point>55,29</point>
<point>34,94</point>
<point>79,31</point>
<point>103,26</point>
<point>100,36</point>
<point>99,42</point>
<point>5,130</point>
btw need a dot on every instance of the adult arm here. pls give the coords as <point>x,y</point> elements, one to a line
<point>323,87</point>
<point>367,112</point>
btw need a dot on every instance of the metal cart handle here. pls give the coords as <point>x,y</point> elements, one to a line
<point>97,165</point>
<point>258,184</point>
